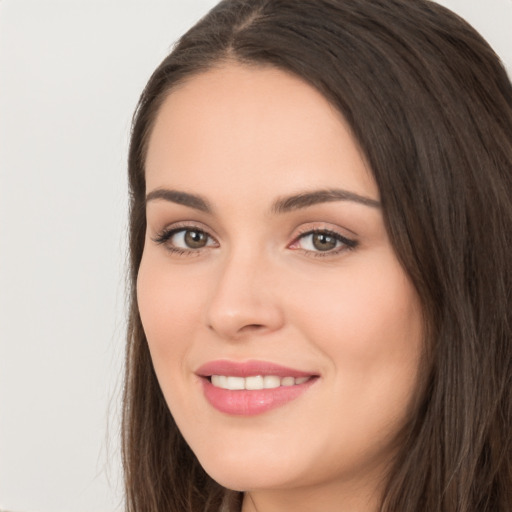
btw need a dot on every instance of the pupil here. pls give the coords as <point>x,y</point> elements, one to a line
<point>195,239</point>
<point>323,242</point>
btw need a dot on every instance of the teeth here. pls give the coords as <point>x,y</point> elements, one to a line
<point>255,382</point>
<point>288,381</point>
<point>235,383</point>
<point>271,382</point>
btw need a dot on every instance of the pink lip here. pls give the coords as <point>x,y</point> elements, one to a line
<point>250,402</point>
<point>248,368</point>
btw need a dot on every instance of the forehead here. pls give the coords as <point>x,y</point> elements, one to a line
<point>250,126</point>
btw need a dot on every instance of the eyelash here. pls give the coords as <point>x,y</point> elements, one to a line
<point>165,235</point>
<point>347,244</point>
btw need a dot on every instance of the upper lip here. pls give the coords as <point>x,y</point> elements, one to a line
<point>248,369</point>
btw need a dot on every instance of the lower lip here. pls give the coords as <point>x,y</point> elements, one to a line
<point>252,402</point>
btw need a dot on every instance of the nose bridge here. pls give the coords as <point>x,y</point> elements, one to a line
<point>242,299</point>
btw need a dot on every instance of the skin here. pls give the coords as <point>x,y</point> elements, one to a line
<point>243,138</point>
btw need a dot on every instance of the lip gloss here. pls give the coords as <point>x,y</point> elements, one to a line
<point>249,402</point>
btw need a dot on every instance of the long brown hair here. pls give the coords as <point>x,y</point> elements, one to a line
<point>431,107</point>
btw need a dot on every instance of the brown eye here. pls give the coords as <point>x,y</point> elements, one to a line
<point>185,239</point>
<point>195,239</point>
<point>323,241</point>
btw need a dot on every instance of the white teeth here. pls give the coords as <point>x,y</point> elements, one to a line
<point>287,381</point>
<point>235,383</point>
<point>255,382</point>
<point>271,381</point>
<point>219,381</point>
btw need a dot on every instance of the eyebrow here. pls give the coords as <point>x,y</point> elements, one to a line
<point>184,198</point>
<point>306,199</point>
<point>282,205</point>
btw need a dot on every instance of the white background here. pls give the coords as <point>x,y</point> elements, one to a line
<point>70,75</point>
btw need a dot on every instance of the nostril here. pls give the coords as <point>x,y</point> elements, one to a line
<point>252,327</point>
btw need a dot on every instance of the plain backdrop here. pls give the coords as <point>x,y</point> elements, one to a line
<point>70,75</point>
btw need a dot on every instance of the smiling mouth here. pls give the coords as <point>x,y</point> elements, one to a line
<point>255,382</point>
<point>252,387</point>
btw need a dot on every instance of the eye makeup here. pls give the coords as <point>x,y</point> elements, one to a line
<point>189,239</point>
<point>322,243</point>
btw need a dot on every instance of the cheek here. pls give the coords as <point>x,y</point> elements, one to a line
<point>366,312</point>
<point>370,330</point>
<point>369,326</point>
<point>167,306</point>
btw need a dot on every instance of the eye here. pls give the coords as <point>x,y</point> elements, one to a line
<point>183,240</point>
<point>323,241</point>
<point>189,239</point>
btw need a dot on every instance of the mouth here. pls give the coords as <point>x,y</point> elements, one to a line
<point>252,387</point>
<point>255,382</point>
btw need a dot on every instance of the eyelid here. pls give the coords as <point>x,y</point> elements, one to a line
<point>164,235</point>
<point>185,224</point>
<point>346,242</point>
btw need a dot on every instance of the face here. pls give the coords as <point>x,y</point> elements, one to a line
<point>284,333</point>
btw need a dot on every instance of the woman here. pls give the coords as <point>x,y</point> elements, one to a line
<point>320,233</point>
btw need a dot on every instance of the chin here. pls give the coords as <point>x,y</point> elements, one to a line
<point>247,479</point>
<point>243,472</point>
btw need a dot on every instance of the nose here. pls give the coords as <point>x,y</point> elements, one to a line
<point>244,300</point>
